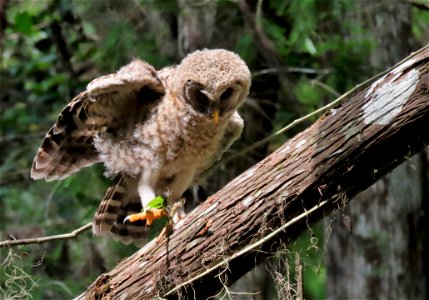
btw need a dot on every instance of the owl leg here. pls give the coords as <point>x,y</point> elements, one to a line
<point>146,192</point>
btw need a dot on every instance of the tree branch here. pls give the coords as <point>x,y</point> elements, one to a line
<point>315,173</point>
<point>45,239</point>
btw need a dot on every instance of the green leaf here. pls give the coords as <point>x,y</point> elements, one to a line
<point>157,202</point>
<point>24,22</point>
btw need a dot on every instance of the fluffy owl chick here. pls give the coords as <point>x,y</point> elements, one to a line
<point>155,131</point>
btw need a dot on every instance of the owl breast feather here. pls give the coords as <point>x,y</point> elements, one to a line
<point>160,143</point>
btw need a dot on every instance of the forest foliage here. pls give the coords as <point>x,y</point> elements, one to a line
<point>311,52</point>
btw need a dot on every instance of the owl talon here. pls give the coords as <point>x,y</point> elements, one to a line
<point>149,215</point>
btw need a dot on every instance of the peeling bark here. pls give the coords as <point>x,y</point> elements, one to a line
<point>316,172</point>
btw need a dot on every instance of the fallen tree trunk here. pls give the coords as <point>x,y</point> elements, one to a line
<point>269,205</point>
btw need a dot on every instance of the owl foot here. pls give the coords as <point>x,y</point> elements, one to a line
<point>149,215</point>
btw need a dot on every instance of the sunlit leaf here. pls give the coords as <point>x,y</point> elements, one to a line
<point>157,202</point>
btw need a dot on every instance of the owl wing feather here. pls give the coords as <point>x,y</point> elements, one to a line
<point>67,147</point>
<point>108,100</point>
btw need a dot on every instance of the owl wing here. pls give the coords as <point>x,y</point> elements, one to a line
<point>233,132</point>
<point>108,100</point>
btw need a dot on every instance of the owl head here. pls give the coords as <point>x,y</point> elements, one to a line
<point>213,82</point>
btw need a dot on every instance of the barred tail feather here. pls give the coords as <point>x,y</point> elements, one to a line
<point>120,201</point>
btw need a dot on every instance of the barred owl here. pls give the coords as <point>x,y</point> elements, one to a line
<point>155,131</point>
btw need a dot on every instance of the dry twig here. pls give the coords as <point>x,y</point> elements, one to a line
<point>45,239</point>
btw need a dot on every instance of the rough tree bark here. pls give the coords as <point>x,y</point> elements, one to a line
<point>314,173</point>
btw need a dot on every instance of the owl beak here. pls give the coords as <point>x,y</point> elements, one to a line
<point>216,116</point>
<point>213,112</point>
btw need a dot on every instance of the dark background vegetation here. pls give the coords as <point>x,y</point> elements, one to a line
<point>302,54</point>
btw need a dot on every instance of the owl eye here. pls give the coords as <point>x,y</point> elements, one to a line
<point>225,95</point>
<point>201,98</point>
<point>196,97</point>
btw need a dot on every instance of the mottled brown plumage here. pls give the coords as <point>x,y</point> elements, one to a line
<point>156,131</point>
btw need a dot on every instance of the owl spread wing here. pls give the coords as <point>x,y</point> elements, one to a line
<point>68,146</point>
